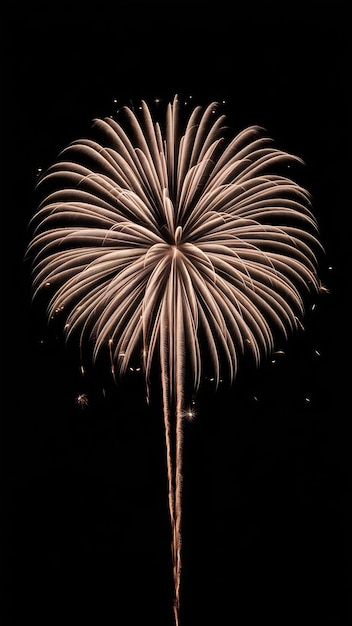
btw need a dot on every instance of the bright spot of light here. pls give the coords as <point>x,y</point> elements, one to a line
<point>190,414</point>
<point>82,400</point>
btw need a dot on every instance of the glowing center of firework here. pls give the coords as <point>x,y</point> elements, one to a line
<point>174,251</point>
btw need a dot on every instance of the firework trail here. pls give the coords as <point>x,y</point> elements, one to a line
<point>180,246</point>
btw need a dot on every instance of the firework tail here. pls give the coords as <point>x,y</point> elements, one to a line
<point>172,350</point>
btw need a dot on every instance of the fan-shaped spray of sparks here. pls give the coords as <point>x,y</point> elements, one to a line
<point>180,245</point>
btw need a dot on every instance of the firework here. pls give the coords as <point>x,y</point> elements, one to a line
<point>176,245</point>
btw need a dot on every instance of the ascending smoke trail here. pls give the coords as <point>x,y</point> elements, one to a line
<point>180,244</point>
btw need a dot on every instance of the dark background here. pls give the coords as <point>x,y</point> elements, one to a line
<point>267,472</point>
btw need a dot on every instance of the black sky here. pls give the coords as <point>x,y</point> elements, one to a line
<point>267,487</point>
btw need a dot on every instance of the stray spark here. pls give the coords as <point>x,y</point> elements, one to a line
<point>82,400</point>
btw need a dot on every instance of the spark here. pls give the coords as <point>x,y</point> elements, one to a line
<point>82,400</point>
<point>190,414</point>
<point>323,289</point>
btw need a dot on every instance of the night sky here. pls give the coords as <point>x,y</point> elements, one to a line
<point>267,464</point>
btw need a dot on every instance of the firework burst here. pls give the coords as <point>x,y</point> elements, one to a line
<point>176,245</point>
